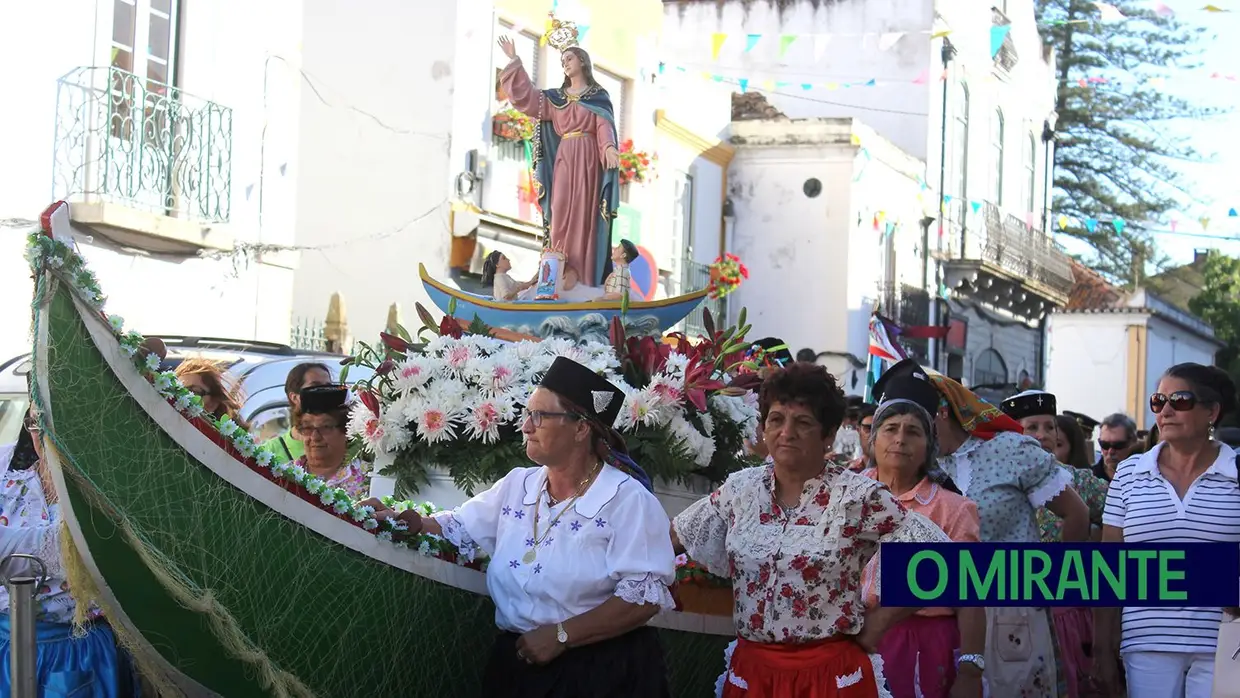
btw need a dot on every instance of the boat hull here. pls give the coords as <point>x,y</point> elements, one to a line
<point>235,585</point>
<point>530,317</point>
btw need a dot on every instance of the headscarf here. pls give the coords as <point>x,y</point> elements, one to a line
<point>930,468</point>
<point>976,416</point>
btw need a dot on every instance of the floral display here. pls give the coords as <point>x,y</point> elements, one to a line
<point>690,572</point>
<point>455,401</point>
<point>43,253</point>
<point>726,275</point>
<point>634,164</point>
<point>512,125</point>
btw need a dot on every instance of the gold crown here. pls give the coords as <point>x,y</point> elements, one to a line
<point>560,34</point>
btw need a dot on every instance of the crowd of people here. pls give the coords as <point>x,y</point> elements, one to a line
<point>583,555</point>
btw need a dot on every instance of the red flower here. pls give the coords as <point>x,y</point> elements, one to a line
<point>449,326</point>
<point>799,562</point>
<point>799,608</point>
<point>811,574</point>
<point>823,498</point>
<point>385,367</point>
<point>786,591</point>
<point>369,400</point>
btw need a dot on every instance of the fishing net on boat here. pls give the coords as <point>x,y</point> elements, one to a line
<point>231,593</point>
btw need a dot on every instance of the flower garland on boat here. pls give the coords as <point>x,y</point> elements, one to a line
<point>43,253</point>
<point>454,402</point>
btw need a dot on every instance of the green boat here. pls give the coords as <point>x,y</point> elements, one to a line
<point>225,576</point>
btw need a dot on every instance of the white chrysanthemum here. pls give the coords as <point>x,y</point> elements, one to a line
<point>557,346</point>
<point>435,424</point>
<point>341,506</point>
<point>695,443</point>
<point>152,361</point>
<point>438,344</point>
<point>667,390</point>
<point>537,366</point>
<point>639,409</point>
<point>227,426</point>
<point>525,349</point>
<point>414,372</point>
<point>183,401</point>
<point>494,374</point>
<point>164,383</point>
<point>371,524</point>
<point>485,417</point>
<point>117,322</point>
<point>450,395</point>
<point>708,422</point>
<point>457,357</point>
<point>263,458</point>
<point>676,364</point>
<point>484,344</point>
<point>742,410</point>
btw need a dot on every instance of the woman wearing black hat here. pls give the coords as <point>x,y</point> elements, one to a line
<point>322,422</point>
<point>580,555</point>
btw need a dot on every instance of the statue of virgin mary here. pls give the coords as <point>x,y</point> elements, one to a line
<point>575,154</point>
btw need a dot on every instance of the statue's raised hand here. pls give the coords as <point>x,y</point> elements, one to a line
<point>509,49</point>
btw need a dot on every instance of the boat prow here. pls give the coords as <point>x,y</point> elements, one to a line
<point>528,317</point>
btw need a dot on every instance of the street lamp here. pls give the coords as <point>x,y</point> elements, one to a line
<point>947,53</point>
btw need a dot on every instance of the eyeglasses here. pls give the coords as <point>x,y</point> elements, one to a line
<point>1180,401</point>
<point>865,427</point>
<point>536,416</point>
<point>1113,445</point>
<point>321,431</point>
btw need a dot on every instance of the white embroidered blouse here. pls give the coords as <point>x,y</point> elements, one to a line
<point>796,575</point>
<point>613,541</point>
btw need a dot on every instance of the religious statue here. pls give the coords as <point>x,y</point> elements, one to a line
<point>576,160</point>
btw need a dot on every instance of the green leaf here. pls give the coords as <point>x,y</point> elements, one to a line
<point>344,375</point>
<point>624,302</point>
<point>740,320</point>
<point>478,327</point>
<point>403,333</point>
<point>452,306</point>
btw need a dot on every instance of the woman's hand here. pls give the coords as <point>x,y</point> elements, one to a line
<point>611,158</point>
<point>539,646</point>
<point>968,683</point>
<point>374,503</point>
<point>509,49</point>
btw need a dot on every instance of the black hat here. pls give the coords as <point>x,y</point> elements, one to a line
<point>912,388</point>
<point>588,390</point>
<point>907,368</point>
<point>1087,423</point>
<point>776,349</point>
<point>320,399</point>
<point>1030,403</point>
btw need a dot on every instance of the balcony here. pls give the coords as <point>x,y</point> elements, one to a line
<point>508,190</point>
<point>143,163</point>
<point>696,277</point>
<point>1007,264</point>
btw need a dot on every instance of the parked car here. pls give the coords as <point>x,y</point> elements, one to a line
<point>260,368</point>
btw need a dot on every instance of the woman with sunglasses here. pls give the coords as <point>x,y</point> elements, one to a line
<point>580,554</point>
<point>1183,490</point>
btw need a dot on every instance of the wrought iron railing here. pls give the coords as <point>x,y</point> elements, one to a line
<point>697,277</point>
<point>507,188</point>
<point>306,334</point>
<point>1010,244</point>
<point>124,139</point>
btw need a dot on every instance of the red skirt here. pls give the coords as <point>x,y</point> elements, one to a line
<point>833,668</point>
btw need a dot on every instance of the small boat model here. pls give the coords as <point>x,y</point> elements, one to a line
<point>225,575</point>
<point>530,317</point>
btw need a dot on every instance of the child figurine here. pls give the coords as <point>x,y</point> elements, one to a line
<point>618,281</point>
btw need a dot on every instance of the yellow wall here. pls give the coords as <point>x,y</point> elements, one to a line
<point>615,26</point>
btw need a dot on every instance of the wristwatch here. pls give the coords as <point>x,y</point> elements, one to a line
<point>561,635</point>
<point>976,660</point>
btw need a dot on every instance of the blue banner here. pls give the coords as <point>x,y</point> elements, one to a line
<point>1060,574</point>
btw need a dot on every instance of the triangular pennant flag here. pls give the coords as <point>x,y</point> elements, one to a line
<point>1163,11</point>
<point>752,40</point>
<point>1205,223</point>
<point>941,33</point>
<point>922,77</point>
<point>871,82</point>
<point>768,85</point>
<point>784,42</point>
<point>1212,8</point>
<point>581,32</point>
<point>855,139</point>
<point>1063,222</point>
<point>1231,213</point>
<point>888,40</point>
<point>977,206</point>
<point>1118,224</point>
<point>717,78</point>
<point>820,45</point>
<point>662,67</point>
<point>716,45</point>
<point>997,35</point>
<point>833,86</point>
<point>1091,224</point>
<point>744,83</point>
<point>1110,13</point>
<point>947,198</point>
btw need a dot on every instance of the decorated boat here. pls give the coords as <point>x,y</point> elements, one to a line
<point>228,573</point>
<point>552,317</point>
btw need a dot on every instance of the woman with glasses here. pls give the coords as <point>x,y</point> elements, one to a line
<point>322,422</point>
<point>580,554</point>
<point>206,379</point>
<point>1183,490</point>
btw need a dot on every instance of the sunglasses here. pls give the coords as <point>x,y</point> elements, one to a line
<point>1180,401</point>
<point>1113,445</point>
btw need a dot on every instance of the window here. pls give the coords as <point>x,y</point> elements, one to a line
<point>144,40</point>
<point>996,148</point>
<point>616,86</point>
<point>989,369</point>
<point>1031,174</point>
<point>682,219</point>
<point>961,145</point>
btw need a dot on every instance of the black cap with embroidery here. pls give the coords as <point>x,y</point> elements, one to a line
<point>588,390</point>
<point>320,399</point>
<point>1031,403</point>
<point>907,368</point>
<point>1087,423</point>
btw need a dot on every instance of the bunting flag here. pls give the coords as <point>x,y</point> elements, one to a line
<point>582,29</point>
<point>1118,224</point>
<point>1163,11</point>
<point>716,45</point>
<point>785,41</point>
<point>923,78</point>
<point>1109,13</point>
<point>751,41</point>
<point>744,85</point>
<point>997,35</point>
<point>1212,8</point>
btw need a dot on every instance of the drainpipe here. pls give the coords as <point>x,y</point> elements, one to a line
<point>1042,350</point>
<point>933,294</point>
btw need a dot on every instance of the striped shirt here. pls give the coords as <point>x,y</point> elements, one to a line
<point>1145,506</point>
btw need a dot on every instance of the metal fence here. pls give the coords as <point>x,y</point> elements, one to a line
<point>1012,245</point>
<point>306,334</point>
<point>697,277</point>
<point>124,139</point>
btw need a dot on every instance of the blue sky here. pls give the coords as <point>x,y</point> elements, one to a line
<point>1215,183</point>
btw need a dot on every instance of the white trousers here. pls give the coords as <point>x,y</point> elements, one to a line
<point>1169,674</point>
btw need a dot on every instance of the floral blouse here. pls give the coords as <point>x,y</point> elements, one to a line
<point>1009,477</point>
<point>352,478</point>
<point>1092,489</point>
<point>796,574</point>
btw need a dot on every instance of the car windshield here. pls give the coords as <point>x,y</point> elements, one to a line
<point>12,412</point>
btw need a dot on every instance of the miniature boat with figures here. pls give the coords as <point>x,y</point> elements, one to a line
<point>538,318</point>
<point>225,573</point>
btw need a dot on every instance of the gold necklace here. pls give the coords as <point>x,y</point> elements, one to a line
<point>581,489</point>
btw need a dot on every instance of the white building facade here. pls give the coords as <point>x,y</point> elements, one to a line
<point>882,62</point>
<point>1108,360</point>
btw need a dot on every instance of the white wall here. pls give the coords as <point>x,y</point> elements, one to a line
<point>223,50</point>
<point>1168,345</point>
<point>1088,361</point>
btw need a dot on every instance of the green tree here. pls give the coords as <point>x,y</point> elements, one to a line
<point>1219,305</point>
<point>1113,156</point>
